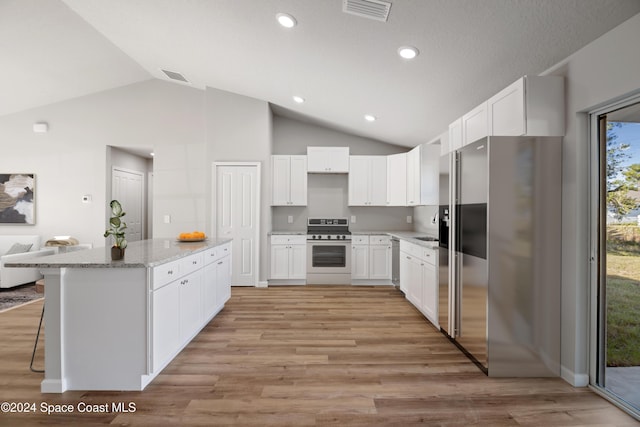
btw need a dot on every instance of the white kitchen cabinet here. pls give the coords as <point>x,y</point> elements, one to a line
<point>419,278</point>
<point>531,106</point>
<point>475,124</point>
<point>367,181</point>
<point>430,174</point>
<point>190,297</point>
<point>328,159</point>
<point>288,257</point>
<point>397,179</point>
<point>413,177</point>
<point>379,257</point>
<point>455,135</point>
<point>216,286</point>
<point>223,281</point>
<point>165,324</point>
<point>360,257</point>
<point>289,180</point>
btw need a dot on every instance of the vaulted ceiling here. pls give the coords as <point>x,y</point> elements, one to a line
<point>345,66</point>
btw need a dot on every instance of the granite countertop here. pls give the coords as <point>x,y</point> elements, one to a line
<point>141,254</point>
<point>409,236</point>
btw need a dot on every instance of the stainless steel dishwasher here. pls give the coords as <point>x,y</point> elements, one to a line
<point>395,261</point>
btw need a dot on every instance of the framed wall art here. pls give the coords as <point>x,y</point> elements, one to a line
<point>17,200</point>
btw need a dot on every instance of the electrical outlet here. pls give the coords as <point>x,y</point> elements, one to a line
<point>167,219</point>
<point>290,219</point>
<point>353,219</point>
<point>409,219</point>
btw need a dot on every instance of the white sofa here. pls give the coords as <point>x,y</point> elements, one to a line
<point>11,276</point>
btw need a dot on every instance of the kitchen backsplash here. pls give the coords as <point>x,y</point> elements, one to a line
<point>425,220</point>
<point>327,196</point>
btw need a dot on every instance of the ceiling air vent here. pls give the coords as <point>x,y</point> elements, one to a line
<point>372,9</point>
<point>175,76</point>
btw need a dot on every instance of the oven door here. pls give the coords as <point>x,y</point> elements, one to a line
<point>329,257</point>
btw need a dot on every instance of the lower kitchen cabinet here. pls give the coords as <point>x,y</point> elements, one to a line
<point>371,258</point>
<point>419,278</point>
<point>288,257</point>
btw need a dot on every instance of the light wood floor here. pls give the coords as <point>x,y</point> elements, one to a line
<point>305,356</point>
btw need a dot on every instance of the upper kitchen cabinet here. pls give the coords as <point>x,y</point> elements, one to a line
<point>531,106</point>
<point>328,159</point>
<point>455,136</point>
<point>475,125</point>
<point>397,179</point>
<point>413,177</point>
<point>429,174</point>
<point>289,185</point>
<point>368,181</point>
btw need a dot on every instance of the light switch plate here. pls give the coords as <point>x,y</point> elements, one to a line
<point>167,219</point>
<point>409,219</point>
<point>353,219</point>
<point>290,219</point>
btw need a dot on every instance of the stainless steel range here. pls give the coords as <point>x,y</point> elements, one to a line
<point>328,251</point>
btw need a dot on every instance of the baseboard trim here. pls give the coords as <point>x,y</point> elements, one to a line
<point>262,284</point>
<point>576,380</point>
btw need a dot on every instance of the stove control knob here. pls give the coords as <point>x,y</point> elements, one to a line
<point>344,237</point>
<point>329,237</point>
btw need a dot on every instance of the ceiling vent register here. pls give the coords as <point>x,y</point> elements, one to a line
<point>175,76</point>
<point>372,9</point>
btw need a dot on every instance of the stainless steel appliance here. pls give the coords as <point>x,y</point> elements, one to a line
<point>444,210</point>
<point>507,254</point>
<point>328,251</point>
<point>395,261</point>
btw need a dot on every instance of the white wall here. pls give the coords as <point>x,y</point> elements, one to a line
<point>606,69</point>
<point>239,128</point>
<point>70,160</point>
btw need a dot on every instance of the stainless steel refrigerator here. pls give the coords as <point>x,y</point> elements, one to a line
<point>506,273</point>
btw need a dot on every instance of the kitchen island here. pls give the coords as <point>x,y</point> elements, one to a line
<point>114,325</point>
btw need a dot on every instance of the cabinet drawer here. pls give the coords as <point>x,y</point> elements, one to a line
<point>359,240</point>
<point>411,249</point>
<point>430,256</point>
<point>292,239</point>
<point>191,263</point>
<point>379,240</point>
<point>214,254</point>
<point>166,273</point>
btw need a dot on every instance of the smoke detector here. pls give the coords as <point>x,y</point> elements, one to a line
<point>371,9</point>
<point>175,76</point>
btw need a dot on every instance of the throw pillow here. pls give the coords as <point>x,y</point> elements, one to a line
<point>19,248</point>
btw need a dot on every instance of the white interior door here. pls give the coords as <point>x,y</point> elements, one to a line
<point>237,215</point>
<point>127,187</point>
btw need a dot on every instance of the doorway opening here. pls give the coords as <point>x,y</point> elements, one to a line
<point>616,367</point>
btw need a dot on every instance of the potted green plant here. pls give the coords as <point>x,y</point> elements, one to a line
<point>116,229</point>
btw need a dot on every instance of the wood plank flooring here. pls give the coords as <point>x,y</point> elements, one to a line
<point>309,356</point>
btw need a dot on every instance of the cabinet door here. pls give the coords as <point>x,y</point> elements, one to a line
<point>414,285</point>
<point>475,124</point>
<point>166,321</point>
<point>359,175</point>
<point>397,179</point>
<point>430,292</point>
<point>378,181</point>
<point>404,272</point>
<point>190,304</point>
<point>328,159</point>
<point>209,287</point>
<point>359,261</point>
<point>280,261</point>
<point>506,111</point>
<point>298,181</point>
<point>455,135</point>
<point>413,177</point>
<point>429,174</point>
<point>298,261</point>
<point>223,280</point>
<point>281,179</point>
<point>380,262</point>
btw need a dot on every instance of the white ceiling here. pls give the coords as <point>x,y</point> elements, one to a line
<point>345,66</point>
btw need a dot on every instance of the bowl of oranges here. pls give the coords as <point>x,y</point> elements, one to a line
<point>193,236</point>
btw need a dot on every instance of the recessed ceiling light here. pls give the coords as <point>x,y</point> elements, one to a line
<point>369,118</point>
<point>286,20</point>
<point>408,52</point>
<point>298,99</point>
